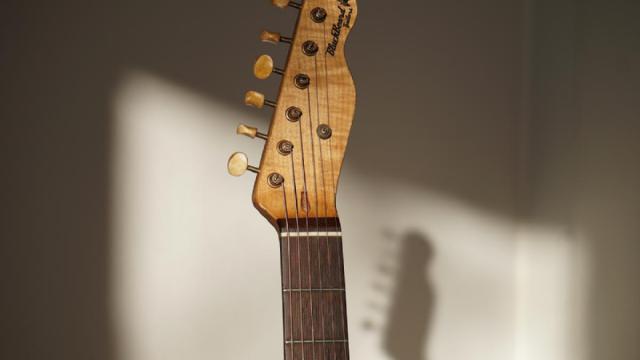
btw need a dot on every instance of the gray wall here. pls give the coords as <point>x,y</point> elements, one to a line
<point>583,157</point>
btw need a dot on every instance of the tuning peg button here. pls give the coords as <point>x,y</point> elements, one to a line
<point>284,3</point>
<point>239,164</point>
<point>257,100</point>
<point>274,37</point>
<point>251,132</point>
<point>264,67</point>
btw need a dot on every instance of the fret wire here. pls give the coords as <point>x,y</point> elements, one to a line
<point>312,234</point>
<point>295,192</point>
<point>310,290</point>
<point>293,342</point>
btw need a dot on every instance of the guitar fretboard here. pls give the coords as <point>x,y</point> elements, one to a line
<point>313,290</point>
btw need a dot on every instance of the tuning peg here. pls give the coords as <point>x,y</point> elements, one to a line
<point>264,67</point>
<point>284,3</point>
<point>256,99</point>
<point>250,132</point>
<point>274,37</point>
<point>239,163</point>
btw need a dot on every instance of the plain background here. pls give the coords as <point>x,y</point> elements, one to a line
<point>490,194</point>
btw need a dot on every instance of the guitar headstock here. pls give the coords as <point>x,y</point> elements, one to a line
<point>307,139</point>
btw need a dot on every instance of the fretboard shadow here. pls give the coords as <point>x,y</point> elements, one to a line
<point>406,334</point>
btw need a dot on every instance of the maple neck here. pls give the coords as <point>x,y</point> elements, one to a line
<point>313,289</point>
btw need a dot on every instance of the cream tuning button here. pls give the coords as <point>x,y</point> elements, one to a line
<point>251,132</point>
<point>257,100</point>
<point>274,37</point>
<point>239,164</point>
<point>263,68</point>
<point>284,3</point>
<point>281,3</point>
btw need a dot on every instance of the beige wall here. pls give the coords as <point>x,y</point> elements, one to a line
<point>196,271</point>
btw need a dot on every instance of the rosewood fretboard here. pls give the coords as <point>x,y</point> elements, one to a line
<point>313,290</point>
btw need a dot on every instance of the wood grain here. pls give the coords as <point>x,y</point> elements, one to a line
<point>312,171</point>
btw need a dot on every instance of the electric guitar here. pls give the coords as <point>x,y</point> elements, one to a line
<point>298,175</point>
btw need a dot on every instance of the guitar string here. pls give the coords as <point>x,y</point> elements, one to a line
<point>341,273</point>
<point>326,76</point>
<point>295,194</point>
<point>326,228</point>
<point>286,213</point>
<point>311,135</point>
<point>343,310</point>
<point>322,295</point>
<point>339,242</point>
<point>305,204</point>
<point>315,184</point>
<point>333,327</point>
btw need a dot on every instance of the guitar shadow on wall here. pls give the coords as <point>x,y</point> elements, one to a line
<point>405,334</point>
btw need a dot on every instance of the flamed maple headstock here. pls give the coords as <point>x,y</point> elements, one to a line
<point>306,142</point>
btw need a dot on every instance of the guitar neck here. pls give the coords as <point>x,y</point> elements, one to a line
<point>300,166</point>
<point>313,289</point>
